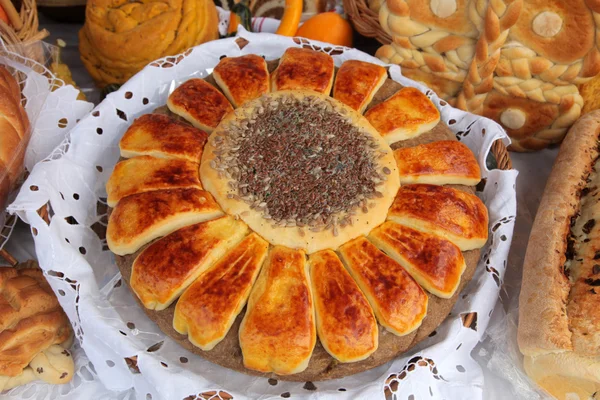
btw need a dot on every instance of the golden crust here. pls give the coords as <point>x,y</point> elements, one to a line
<point>450,213</point>
<point>145,173</point>
<point>199,103</point>
<point>345,322</point>
<point>164,137</point>
<point>304,69</point>
<point>207,309</point>
<point>356,83</point>
<point>31,319</point>
<point>278,332</point>
<point>242,78</point>
<point>405,115</point>
<point>439,163</point>
<point>142,217</point>
<point>290,236</point>
<point>435,263</point>
<point>397,300</point>
<point>163,270</point>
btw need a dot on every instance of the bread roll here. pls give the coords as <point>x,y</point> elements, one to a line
<point>14,134</point>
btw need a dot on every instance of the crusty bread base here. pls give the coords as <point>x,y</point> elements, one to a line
<point>322,366</point>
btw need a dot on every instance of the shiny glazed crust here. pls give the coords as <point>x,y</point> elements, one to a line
<point>357,82</point>
<point>199,103</point>
<point>434,262</point>
<point>142,217</point>
<point>303,69</point>
<point>163,137</point>
<point>209,306</point>
<point>145,173</point>
<point>406,114</point>
<point>450,213</point>
<point>438,163</point>
<point>345,322</point>
<point>278,331</point>
<point>166,268</point>
<point>398,301</point>
<point>242,78</point>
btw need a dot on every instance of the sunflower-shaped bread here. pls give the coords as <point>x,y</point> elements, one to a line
<point>277,230</point>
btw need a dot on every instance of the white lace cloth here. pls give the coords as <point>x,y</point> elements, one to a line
<point>109,324</point>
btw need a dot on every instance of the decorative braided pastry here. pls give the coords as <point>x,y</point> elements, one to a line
<point>512,60</point>
<point>499,18</point>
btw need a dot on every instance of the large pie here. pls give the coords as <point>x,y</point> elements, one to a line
<point>295,220</point>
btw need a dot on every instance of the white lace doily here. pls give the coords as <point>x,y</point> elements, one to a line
<point>111,326</point>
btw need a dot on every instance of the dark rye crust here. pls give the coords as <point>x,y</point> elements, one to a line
<point>322,366</point>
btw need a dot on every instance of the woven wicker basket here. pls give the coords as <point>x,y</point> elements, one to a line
<point>23,35</point>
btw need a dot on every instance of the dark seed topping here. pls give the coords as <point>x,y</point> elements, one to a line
<point>596,269</point>
<point>592,282</point>
<point>587,228</point>
<point>300,163</point>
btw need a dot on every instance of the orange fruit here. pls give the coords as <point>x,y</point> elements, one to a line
<point>3,16</point>
<point>328,27</point>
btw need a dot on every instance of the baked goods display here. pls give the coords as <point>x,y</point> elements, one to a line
<point>287,246</point>
<point>35,333</point>
<point>14,134</point>
<point>559,305</point>
<point>517,62</point>
<point>120,37</point>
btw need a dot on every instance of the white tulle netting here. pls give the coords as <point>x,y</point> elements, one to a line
<point>129,351</point>
<point>52,108</point>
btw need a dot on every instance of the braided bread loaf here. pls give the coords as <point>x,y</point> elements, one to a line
<point>14,134</point>
<point>515,61</point>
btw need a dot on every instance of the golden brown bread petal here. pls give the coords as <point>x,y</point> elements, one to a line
<point>207,309</point>
<point>356,83</point>
<point>242,78</point>
<point>434,262</point>
<point>345,322</point>
<point>164,137</point>
<point>405,115</point>
<point>145,173</point>
<point>168,266</point>
<point>303,69</point>
<point>142,217</point>
<point>397,300</point>
<point>19,344</point>
<point>450,213</point>
<point>278,331</point>
<point>443,162</point>
<point>199,103</point>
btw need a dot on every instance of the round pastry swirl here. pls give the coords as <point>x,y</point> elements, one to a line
<point>278,239</point>
<point>301,160</point>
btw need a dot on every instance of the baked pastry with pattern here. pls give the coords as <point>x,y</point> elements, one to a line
<point>303,69</point>
<point>443,162</point>
<point>166,268</point>
<point>163,137</point>
<point>34,331</point>
<point>278,332</point>
<point>345,322</point>
<point>312,177</point>
<point>397,300</point>
<point>435,263</point>
<point>142,217</point>
<point>405,115</point>
<point>199,103</point>
<point>357,82</point>
<point>145,173</point>
<point>450,213</point>
<point>242,78</point>
<point>205,317</point>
